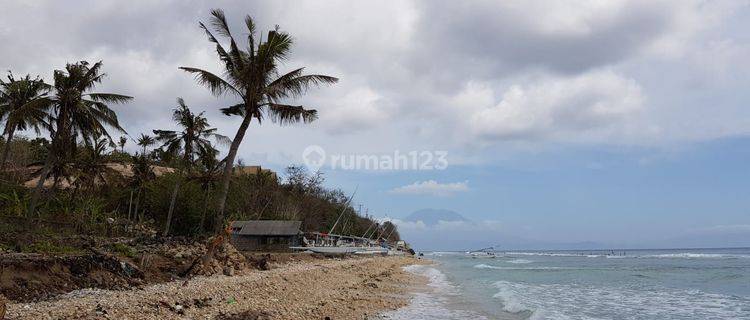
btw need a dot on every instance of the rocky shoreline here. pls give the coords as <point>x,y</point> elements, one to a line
<point>355,288</point>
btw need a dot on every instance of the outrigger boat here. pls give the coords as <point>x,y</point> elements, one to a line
<point>373,241</point>
<point>343,250</point>
<point>337,244</point>
<point>482,253</point>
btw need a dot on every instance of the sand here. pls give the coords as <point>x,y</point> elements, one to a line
<point>357,288</point>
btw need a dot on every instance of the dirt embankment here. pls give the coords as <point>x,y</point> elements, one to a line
<point>30,277</point>
<point>116,265</point>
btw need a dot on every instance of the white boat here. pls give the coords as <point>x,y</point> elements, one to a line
<point>342,249</point>
<point>482,253</point>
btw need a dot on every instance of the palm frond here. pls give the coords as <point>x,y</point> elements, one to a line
<point>286,114</point>
<point>216,84</point>
<point>294,85</point>
<point>109,97</point>
<point>222,139</point>
<point>219,22</point>
<point>250,24</point>
<point>235,110</point>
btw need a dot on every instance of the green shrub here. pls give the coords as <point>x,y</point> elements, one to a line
<point>124,250</point>
<point>48,247</point>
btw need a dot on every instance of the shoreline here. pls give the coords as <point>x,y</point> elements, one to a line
<point>355,288</point>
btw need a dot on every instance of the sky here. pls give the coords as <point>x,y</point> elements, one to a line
<point>546,124</point>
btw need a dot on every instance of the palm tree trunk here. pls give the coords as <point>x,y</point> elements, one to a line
<point>138,202</point>
<point>205,207</point>
<point>6,148</point>
<point>171,206</point>
<point>39,185</point>
<point>54,153</point>
<point>219,218</point>
<point>130,205</point>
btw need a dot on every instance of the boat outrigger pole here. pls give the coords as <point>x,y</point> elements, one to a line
<point>389,233</point>
<point>381,233</point>
<point>346,206</point>
<point>368,228</point>
<point>374,231</point>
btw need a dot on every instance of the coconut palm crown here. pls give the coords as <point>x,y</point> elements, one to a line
<point>19,108</point>
<point>145,141</point>
<point>193,139</point>
<point>78,113</point>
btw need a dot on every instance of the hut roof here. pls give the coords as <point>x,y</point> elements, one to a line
<point>266,227</point>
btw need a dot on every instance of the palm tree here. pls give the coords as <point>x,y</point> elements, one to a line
<point>145,141</point>
<point>194,137</point>
<point>20,109</point>
<point>76,112</point>
<point>143,172</point>
<point>209,171</point>
<point>121,143</point>
<point>252,75</point>
<point>91,167</point>
<point>192,140</point>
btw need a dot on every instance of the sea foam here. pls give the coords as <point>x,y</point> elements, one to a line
<point>570,301</point>
<point>437,303</point>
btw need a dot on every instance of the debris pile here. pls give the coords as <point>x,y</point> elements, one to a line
<point>225,260</point>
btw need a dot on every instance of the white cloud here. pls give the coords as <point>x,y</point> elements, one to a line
<point>432,187</point>
<point>359,109</point>
<point>424,73</point>
<point>590,106</point>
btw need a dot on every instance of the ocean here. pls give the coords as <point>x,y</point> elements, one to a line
<point>620,284</point>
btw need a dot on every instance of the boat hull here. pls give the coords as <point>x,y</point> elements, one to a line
<point>342,250</point>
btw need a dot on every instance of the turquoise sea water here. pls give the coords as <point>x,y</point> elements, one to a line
<point>619,284</point>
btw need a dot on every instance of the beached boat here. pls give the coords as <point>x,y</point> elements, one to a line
<point>342,249</point>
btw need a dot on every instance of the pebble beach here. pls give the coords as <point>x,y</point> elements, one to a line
<point>356,288</point>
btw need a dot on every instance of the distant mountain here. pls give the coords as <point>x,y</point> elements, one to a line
<point>431,217</point>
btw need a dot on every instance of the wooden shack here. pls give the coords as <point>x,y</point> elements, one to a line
<point>266,235</point>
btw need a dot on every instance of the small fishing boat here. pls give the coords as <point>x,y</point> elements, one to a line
<point>482,253</point>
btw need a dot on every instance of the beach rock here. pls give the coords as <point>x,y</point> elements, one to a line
<point>247,315</point>
<point>228,271</point>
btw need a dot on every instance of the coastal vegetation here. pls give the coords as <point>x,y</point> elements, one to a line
<point>66,169</point>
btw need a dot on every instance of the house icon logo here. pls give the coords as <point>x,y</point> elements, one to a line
<point>314,157</point>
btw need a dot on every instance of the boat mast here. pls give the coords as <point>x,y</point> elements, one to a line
<point>346,206</point>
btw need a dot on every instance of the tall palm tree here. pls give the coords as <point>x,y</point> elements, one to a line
<point>207,174</point>
<point>145,141</point>
<point>123,140</point>
<point>192,140</point>
<point>252,76</point>
<point>78,113</point>
<point>194,137</point>
<point>20,109</point>
<point>143,172</point>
